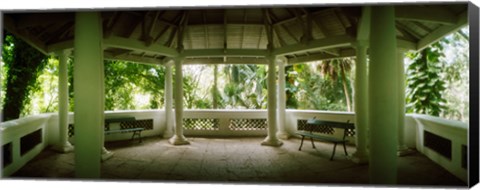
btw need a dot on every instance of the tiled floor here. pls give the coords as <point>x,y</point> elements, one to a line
<point>235,160</point>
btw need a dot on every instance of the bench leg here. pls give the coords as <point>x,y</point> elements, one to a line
<point>313,145</point>
<point>137,133</point>
<point>333,153</point>
<point>345,149</point>
<point>301,143</point>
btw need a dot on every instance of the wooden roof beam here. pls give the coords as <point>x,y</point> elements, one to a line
<point>137,45</point>
<point>439,33</point>
<point>318,57</point>
<point>224,53</point>
<point>433,14</point>
<point>322,44</point>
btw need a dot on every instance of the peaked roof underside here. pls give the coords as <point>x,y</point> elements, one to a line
<point>236,35</point>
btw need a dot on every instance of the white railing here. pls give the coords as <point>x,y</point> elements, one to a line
<point>443,141</point>
<point>225,122</point>
<point>228,123</point>
<point>23,139</point>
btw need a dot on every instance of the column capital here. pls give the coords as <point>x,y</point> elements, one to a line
<point>168,61</point>
<point>66,52</point>
<point>360,43</point>
<point>281,60</point>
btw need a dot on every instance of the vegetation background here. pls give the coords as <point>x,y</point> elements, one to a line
<point>437,83</point>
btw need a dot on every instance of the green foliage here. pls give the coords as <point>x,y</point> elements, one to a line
<point>23,64</point>
<point>456,77</point>
<point>307,89</point>
<point>246,87</point>
<point>125,82</point>
<point>425,84</point>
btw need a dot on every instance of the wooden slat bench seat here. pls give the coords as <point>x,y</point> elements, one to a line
<point>312,123</point>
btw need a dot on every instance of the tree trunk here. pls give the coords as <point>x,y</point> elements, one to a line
<point>214,88</point>
<point>345,88</point>
<point>23,70</point>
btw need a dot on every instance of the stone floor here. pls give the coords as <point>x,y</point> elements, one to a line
<point>235,160</point>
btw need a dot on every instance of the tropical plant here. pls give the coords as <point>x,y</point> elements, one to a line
<point>425,84</point>
<point>334,68</point>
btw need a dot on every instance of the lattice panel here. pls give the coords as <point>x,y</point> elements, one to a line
<point>247,124</point>
<point>350,132</point>
<point>70,130</point>
<point>147,124</point>
<point>302,125</point>
<point>200,124</point>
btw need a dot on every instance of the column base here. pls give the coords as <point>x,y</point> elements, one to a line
<point>404,150</point>
<point>168,134</point>
<point>271,142</point>
<point>65,148</point>
<point>178,140</point>
<point>283,135</point>
<point>359,158</point>
<point>106,154</point>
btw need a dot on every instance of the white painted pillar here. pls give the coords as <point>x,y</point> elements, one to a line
<point>271,139</point>
<point>168,100</point>
<point>89,94</point>
<point>178,138</point>
<point>383,96</point>
<point>281,103</point>
<point>63,145</point>
<point>361,104</point>
<point>402,148</point>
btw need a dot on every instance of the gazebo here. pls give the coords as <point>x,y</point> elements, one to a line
<point>377,35</point>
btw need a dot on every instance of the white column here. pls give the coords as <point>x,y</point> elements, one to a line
<point>271,139</point>
<point>282,132</point>
<point>178,138</point>
<point>402,148</point>
<point>383,97</point>
<point>361,104</point>
<point>63,145</point>
<point>89,94</point>
<point>168,100</point>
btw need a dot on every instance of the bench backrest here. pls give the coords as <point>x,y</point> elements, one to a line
<point>331,124</point>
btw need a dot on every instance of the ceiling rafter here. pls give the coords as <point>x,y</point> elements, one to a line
<point>406,29</point>
<point>160,34</point>
<point>205,29</point>
<point>181,31</point>
<point>268,29</point>
<point>59,33</point>
<point>33,20</point>
<point>422,26</point>
<point>462,20</point>
<point>148,25</point>
<point>9,24</point>
<point>243,28</point>
<point>405,33</point>
<point>112,21</point>
<point>224,35</point>
<point>306,25</point>
<point>275,27</point>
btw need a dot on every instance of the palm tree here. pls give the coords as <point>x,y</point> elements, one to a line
<point>338,67</point>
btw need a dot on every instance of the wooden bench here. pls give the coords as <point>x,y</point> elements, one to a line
<point>312,123</point>
<point>137,132</point>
